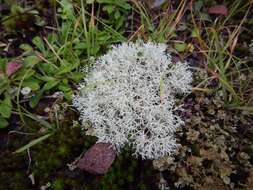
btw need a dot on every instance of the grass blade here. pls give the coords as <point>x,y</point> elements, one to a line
<point>32,143</point>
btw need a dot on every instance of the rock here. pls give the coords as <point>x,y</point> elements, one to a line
<point>218,9</point>
<point>98,159</point>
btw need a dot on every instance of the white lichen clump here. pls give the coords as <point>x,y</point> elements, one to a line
<point>129,97</point>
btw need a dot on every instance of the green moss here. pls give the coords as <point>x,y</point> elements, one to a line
<point>63,150</point>
<point>58,184</point>
<point>142,186</point>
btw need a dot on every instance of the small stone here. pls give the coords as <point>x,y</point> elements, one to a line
<point>98,159</point>
<point>218,10</point>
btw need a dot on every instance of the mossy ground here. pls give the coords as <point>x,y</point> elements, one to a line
<point>216,145</point>
<point>49,165</point>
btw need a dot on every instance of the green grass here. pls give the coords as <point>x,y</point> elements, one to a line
<point>57,62</point>
<point>159,28</point>
<point>218,42</point>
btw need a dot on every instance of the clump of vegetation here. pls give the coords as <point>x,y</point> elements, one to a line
<point>129,98</point>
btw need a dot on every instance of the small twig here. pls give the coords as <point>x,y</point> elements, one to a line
<point>135,33</point>
<point>21,133</point>
<point>30,160</point>
<point>52,49</point>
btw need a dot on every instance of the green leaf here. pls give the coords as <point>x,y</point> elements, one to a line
<point>4,85</point>
<point>68,95</point>
<point>108,8</point>
<point>52,38</point>
<point>3,123</point>
<point>26,47</point>
<point>35,99</point>
<point>180,47</point>
<point>16,9</point>
<point>66,67</point>
<point>42,122</point>
<point>50,84</point>
<point>67,10</point>
<point>44,78</point>
<point>31,60</point>
<point>32,143</point>
<point>6,107</point>
<point>38,42</point>
<point>31,83</point>
<point>80,45</point>
<point>64,87</point>
<point>22,72</point>
<point>117,14</point>
<point>49,69</point>
<point>76,76</point>
<point>195,33</point>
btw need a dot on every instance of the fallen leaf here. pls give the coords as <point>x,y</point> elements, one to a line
<point>12,67</point>
<point>218,9</point>
<point>98,159</point>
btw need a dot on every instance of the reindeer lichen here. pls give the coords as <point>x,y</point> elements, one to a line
<point>129,97</point>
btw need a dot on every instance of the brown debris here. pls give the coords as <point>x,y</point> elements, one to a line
<point>213,153</point>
